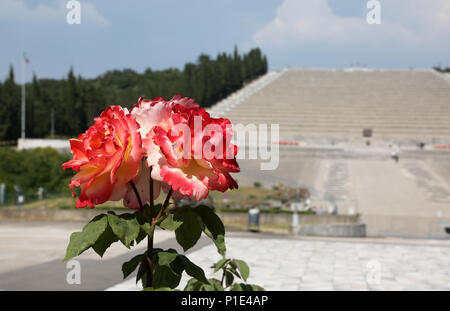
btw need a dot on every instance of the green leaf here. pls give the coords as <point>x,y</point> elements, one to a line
<point>220,264</point>
<point>144,215</point>
<point>193,285</point>
<point>256,288</point>
<point>147,228</point>
<point>142,235</point>
<point>131,265</point>
<point>211,220</point>
<point>232,267</point>
<point>217,286</point>
<point>220,244</point>
<point>165,258</point>
<point>243,268</point>
<point>81,241</point>
<point>170,266</point>
<point>229,278</point>
<point>178,264</point>
<point>148,214</point>
<point>246,287</point>
<point>164,276</point>
<point>125,227</point>
<point>142,274</point>
<point>216,229</point>
<point>195,271</point>
<point>171,222</point>
<point>161,289</point>
<point>145,218</point>
<point>188,233</point>
<point>168,269</point>
<point>104,241</point>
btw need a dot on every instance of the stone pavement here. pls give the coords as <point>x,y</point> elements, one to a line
<point>284,263</point>
<point>28,243</point>
<point>31,255</point>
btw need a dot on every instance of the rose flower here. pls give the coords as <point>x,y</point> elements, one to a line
<point>188,150</point>
<point>107,157</point>
<point>151,113</point>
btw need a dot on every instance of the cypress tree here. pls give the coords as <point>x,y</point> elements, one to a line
<point>76,101</point>
<point>11,96</point>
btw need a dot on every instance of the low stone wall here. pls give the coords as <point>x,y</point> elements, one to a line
<point>286,219</point>
<point>406,226</point>
<point>312,225</point>
<point>84,214</point>
<point>332,230</point>
<point>31,143</point>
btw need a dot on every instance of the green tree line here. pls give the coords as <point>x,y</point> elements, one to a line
<point>30,169</point>
<point>75,101</point>
<point>442,69</point>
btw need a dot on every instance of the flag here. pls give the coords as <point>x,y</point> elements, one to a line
<point>25,58</point>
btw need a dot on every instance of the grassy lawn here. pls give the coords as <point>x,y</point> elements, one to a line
<point>247,197</point>
<point>236,200</point>
<point>64,203</point>
<point>262,228</point>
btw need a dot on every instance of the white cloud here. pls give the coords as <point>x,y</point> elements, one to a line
<point>405,25</point>
<point>19,11</point>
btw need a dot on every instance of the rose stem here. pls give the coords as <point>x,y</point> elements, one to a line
<point>149,240</point>
<point>163,208</point>
<point>151,189</point>
<point>166,202</point>
<point>137,195</point>
<point>223,277</point>
<point>149,279</point>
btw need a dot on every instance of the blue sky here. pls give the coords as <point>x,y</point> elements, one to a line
<point>168,33</point>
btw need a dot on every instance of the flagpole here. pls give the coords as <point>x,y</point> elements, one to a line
<point>23,100</point>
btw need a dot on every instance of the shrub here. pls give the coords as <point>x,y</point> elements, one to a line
<point>257,184</point>
<point>30,169</point>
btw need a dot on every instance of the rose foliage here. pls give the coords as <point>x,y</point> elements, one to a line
<point>164,150</point>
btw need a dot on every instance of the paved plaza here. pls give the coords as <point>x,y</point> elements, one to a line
<point>31,252</point>
<point>292,264</point>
